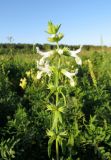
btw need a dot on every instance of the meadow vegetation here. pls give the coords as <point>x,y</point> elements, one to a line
<point>47,116</point>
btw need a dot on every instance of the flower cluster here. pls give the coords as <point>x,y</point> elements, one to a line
<point>44,67</point>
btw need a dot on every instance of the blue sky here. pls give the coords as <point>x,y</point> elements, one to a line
<point>83,21</point>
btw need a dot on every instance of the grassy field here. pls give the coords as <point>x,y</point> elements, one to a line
<point>25,119</point>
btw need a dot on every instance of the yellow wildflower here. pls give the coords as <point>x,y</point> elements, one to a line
<point>28,73</point>
<point>23,82</point>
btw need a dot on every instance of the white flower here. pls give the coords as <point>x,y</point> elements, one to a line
<point>60,51</point>
<point>78,60</point>
<point>44,68</point>
<point>44,54</point>
<point>70,75</point>
<point>42,61</point>
<point>74,54</point>
<point>39,74</point>
<point>42,64</point>
<point>72,83</point>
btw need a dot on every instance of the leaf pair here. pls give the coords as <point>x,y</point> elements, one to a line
<point>58,137</point>
<point>56,38</point>
<point>57,116</point>
<point>52,29</point>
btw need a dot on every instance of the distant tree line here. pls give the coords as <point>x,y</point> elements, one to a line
<point>7,48</point>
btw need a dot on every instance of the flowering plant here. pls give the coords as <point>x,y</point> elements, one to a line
<point>56,72</point>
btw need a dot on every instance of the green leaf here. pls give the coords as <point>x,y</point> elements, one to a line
<point>52,138</point>
<point>56,38</point>
<point>51,107</point>
<point>50,142</point>
<point>63,134</point>
<point>61,109</point>
<point>50,133</point>
<point>56,118</point>
<point>71,140</point>
<point>52,29</point>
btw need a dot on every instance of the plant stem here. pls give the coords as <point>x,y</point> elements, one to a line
<point>56,84</point>
<point>57,100</point>
<point>57,150</point>
<point>57,45</point>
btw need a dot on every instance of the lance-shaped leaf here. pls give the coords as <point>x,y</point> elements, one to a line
<point>57,116</point>
<point>52,138</point>
<point>51,87</point>
<point>52,29</point>
<point>73,134</point>
<point>58,137</point>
